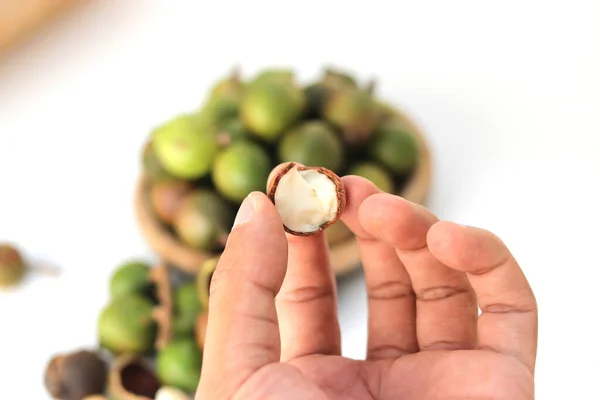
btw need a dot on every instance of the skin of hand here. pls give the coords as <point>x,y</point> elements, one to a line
<point>273,331</point>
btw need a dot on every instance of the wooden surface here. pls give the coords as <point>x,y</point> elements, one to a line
<point>20,18</point>
<point>345,257</point>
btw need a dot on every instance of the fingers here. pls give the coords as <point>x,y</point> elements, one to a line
<point>242,333</point>
<point>508,323</point>
<point>307,302</point>
<point>392,329</point>
<point>446,306</point>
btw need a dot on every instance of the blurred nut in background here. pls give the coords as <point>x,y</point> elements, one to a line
<point>179,363</point>
<point>12,265</point>
<point>74,376</point>
<point>126,325</point>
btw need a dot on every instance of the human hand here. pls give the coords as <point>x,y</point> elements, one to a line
<point>273,331</point>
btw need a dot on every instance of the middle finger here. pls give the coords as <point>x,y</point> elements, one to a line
<point>392,313</point>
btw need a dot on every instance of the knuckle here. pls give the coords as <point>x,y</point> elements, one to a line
<point>220,275</point>
<point>436,293</point>
<point>444,345</point>
<point>509,308</point>
<point>387,351</point>
<point>307,294</point>
<point>391,290</point>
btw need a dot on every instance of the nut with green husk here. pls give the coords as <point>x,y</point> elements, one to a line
<point>240,169</point>
<point>12,265</point>
<point>395,147</point>
<point>231,87</point>
<point>336,79</point>
<point>131,277</point>
<point>186,299</point>
<point>203,279</point>
<point>388,113</point>
<point>183,149</point>
<point>312,143</point>
<point>184,325</point>
<point>316,97</point>
<point>186,308</point>
<point>203,220</point>
<point>338,233</point>
<point>76,375</point>
<point>127,325</point>
<point>375,173</point>
<point>318,93</point>
<point>308,199</point>
<point>223,102</point>
<point>151,164</point>
<point>270,106</point>
<point>178,364</point>
<point>132,378</point>
<point>282,75</point>
<point>354,112</point>
<point>232,130</point>
<point>215,112</point>
<point>166,197</point>
<point>153,284</point>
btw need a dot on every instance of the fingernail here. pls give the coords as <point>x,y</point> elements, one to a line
<point>245,212</point>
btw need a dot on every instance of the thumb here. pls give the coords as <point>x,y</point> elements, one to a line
<point>242,333</point>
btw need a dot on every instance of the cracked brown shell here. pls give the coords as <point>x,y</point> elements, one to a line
<point>339,186</point>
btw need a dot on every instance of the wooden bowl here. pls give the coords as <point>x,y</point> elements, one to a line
<point>345,257</point>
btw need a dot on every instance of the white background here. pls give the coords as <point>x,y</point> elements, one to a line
<point>508,93</point>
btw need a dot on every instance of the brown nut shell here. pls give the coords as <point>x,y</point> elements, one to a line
<point>76,375</point>
<point>339,186</point>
